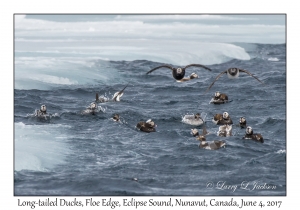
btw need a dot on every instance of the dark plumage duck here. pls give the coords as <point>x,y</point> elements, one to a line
<point>222,119</point>
<point>243,122</point>
<point>254,136</point>
<point>178,73</point>
<point>148,126</point>
<point>116,118</point>
<point>232,73</point>
<point>219,98</point>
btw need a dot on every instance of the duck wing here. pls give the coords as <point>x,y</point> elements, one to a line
<point>163,66</point>
<point>204,132</point>
<point>247,72</point>
<point>198,65</point>
<point>224,72</point>
<point>114,98</point>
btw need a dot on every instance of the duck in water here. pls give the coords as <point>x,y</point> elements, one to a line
<point>220,119</point>
<point>148,126</point>
<point>41,112</point>
<point>193,119</point>
<point>219,98</point>
<point>116,118</point>
<point>225,130</point>
<point>243,122</point>
<point>117,96</point>
<point>254,136</point>
<point>213,145</point>
<point>91,109</point>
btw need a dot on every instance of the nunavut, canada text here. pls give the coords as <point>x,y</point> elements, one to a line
<point>140,202</point>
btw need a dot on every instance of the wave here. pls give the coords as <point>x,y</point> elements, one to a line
<point>281,151</point>
<point>273,59</point>
<point>163,51</point>
<point>273,121</point>
<point>39,147</point>
<point>44,71</point>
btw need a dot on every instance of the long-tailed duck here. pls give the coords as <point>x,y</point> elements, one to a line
<point>243,122</point>
<point>119,94</point>
<point>220,119</point>
<point>41,112</point>
<point>219,98</point>
<point>232,73</point>
<point>101,99</point>
<point>193,119</point>
<point>178,73</point>
<point>212,145</point>
<point>148,126</point>
<point>116,118</point>
<point>254,136</point>
<point>116,97</point>
<point>91,109</point>
<point>225,130</point>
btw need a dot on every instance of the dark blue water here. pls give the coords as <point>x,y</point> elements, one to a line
<point>75,154</point>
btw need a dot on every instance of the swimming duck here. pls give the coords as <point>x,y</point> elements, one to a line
<point>116,97</point>
<point>41,112</point>
<point>148,126</point>
<point>213,145</point>
<point>116,118</point>
<point>225,130</point>
<point>219,98</point>
<point>220,119</point>
<point>91,109</point>
<point>254,136</point>
<point>243,122</point>
<point>195,119</point>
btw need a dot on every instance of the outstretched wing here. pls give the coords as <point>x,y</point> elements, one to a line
<point>204,132</point>
<point>242,70</point>
<point>198,65</point>
<point>216,80</point>
<point>114,98</point>
<point>165,66</point>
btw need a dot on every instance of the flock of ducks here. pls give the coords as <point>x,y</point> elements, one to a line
<point>223,120</point>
